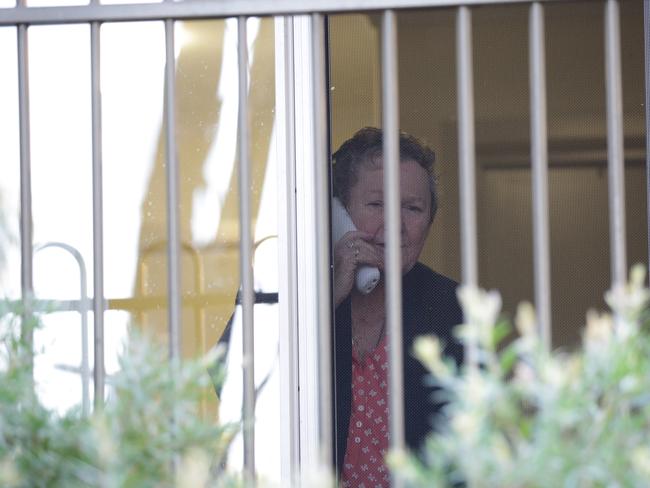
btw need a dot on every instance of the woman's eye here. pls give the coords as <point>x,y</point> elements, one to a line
<point>376,204</point>
<point>414,208</point>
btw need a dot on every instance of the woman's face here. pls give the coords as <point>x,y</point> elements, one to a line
<point>366,206</point>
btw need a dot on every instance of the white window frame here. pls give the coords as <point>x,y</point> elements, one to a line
<point>298,251</point>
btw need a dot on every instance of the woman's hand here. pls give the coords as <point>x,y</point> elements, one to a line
<point>354,249</point>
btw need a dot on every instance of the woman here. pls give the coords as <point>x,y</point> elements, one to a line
<point>429,305</point>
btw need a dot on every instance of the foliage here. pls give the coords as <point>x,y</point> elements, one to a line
<point>526,417</point>
<point>149,434</point>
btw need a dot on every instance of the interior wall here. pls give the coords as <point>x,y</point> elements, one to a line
<point>577,140</point>
<point>355,76</point>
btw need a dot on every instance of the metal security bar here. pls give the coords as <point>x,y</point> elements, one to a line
<point>98,215</point>
<point>173,227</point>
<point>26,239</point>
<point>466,156</point>
<point>390,98</point>
<point>169,11</point>
<point>615,166</point>
<point>466,145</point>
<point>246,256</point>
<point>539,161</point>
<point>207,9</point>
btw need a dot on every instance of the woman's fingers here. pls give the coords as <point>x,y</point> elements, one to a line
<point>370,254</point>
<point>357,248</point>
<point>354,249</point>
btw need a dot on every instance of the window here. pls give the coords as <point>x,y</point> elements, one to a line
<point>158,228</point>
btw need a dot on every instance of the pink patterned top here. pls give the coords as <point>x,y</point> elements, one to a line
<point>368,434</point>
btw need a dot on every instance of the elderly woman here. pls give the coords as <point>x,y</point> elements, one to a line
<point>429,305</point>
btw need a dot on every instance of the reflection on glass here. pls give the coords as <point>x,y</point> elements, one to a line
<point>135,229</point>
<point>215,229</point>
<point>135,192</point>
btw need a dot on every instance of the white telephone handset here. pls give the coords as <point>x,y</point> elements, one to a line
<point>367,276</point>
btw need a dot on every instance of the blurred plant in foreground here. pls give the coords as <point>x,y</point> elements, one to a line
<point>149,433</point>
<point>527,417</point>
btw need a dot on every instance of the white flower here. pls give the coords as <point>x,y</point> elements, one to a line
<point>628,301</point>
<point>552,373</point>
<point>628,384</point>
<point>641,460</point>
<point>599,332</point>
<point>9,475</point>
<point>637,275</point>
<point>501,452</point>
<point>403,463</point>
<point>481,310</point>
<point>194,470</point>
<point>525,320</point>
<point>466,425</point>
<point>105,444</point>
<point>475,388</point>
<point>524,374</point>
<point>480,307</point>
<point>427,350</point>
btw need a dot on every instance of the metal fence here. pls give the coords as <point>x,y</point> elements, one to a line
<point>95,14</point>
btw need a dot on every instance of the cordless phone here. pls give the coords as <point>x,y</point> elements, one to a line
<point>367,276</point>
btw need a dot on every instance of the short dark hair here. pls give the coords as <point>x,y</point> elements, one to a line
<point>366,145</point>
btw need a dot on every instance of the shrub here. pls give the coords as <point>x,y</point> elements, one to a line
<point>149,434</point>
<point>527,417</point>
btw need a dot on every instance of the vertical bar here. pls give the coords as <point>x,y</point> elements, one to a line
<point>539,157</point>
<point>26,238</point>
<point>390,104</point>
<point>616,168</point>
<point>646,29</point>
<point>321,164</point>
<point>171,159</point>
<point>466,146</point>
<point>245,257</point>
<point>466,156</point>
<point>98,217</point>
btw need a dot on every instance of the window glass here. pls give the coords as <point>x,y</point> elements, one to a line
<point>577,182</point>
<point>135,200</point>
<point>578,194</point>
<point>207,104</point>
<point>59,98</point>
<point>9,166</point>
